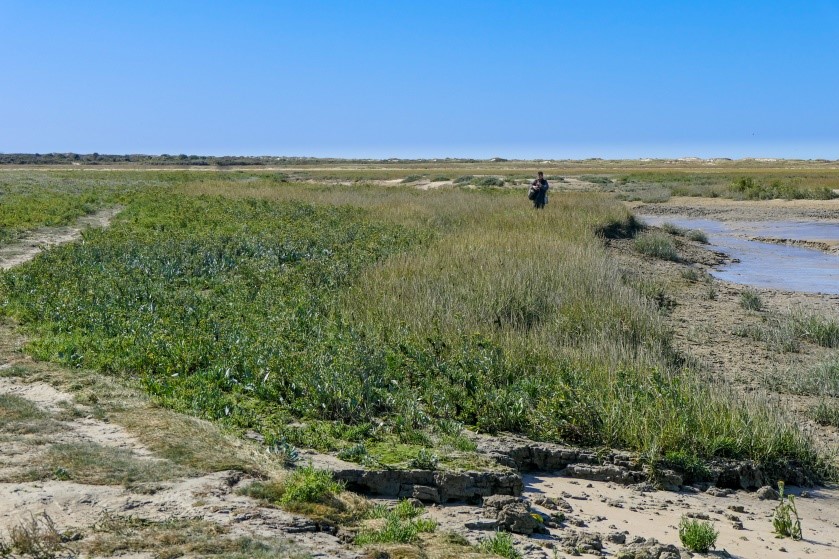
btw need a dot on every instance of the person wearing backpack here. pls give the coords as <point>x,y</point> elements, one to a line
<point>539,191</point>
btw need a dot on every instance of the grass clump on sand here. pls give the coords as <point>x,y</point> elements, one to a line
<point>697,235</point>
<point>35,537</point>
<point>751,300</point>
<point>94,464</point>
<point>500,544</point>
<point>785,332</point>
<point>309,485</point>
<point>328,316</point>
<point>821,379</point>
<point>673,229</point>
<point>657,245</point>
<point>310,491</point>
<point>303,485</point>
<point>119,535</point>
<point>826,412</point>
<point>398,524</point>
<point>697,536</point>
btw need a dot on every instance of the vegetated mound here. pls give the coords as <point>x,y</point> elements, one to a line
<point>464,309</point>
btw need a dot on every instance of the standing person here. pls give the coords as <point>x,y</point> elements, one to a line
<point>539,191</point>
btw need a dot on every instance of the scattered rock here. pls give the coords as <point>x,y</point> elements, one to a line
<point>482,524</point>
<point>737,508</point>
<point>425,494</point>
<point>767,492</point>
<point>606,472</point>
<point>582,542</point>
<point>715,491</point>
<point>669,480</point>
<point>428,485</point>
<point>513,514</point>
<point>649,549</point>
<point>616,537</point>
<point>519,520</point>
<point>553,503</point>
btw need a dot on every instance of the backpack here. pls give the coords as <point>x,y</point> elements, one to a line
<point>531,194</point>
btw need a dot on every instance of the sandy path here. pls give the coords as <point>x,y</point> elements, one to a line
<point>39,240</point>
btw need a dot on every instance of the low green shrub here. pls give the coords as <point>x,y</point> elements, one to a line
<point>412,178</point>
<point>596,179</point>
<point>464,179</point>
<point>697,536</point>
<point>488,181</point>
<point>424,460</point>
<point>355,453</point>
<point>750,189</point>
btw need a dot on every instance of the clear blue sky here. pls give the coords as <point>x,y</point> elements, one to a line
<point>525,79</point>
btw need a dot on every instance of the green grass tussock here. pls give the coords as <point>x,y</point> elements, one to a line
<point>399,524</point>
<point>751,300</point>
<point>500,544</point>
<point>658,245</point>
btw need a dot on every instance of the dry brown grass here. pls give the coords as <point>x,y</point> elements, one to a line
<point>117,535</point>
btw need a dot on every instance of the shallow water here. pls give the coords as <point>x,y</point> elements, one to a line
<point>767,264</point>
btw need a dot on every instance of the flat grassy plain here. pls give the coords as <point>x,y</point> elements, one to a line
<point>331,315</point>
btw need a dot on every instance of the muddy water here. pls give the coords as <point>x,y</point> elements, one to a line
<point>770,265</point>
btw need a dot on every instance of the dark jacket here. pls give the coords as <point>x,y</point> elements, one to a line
<point>542,192</point>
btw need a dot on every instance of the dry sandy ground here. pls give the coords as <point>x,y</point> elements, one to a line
<point>726,210</point>
<point>605,508</point>
<point>211,498</point>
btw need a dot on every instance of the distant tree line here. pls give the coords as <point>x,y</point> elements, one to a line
<point>184,160</point>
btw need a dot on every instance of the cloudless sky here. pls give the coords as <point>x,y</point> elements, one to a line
<point>531,79</point>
